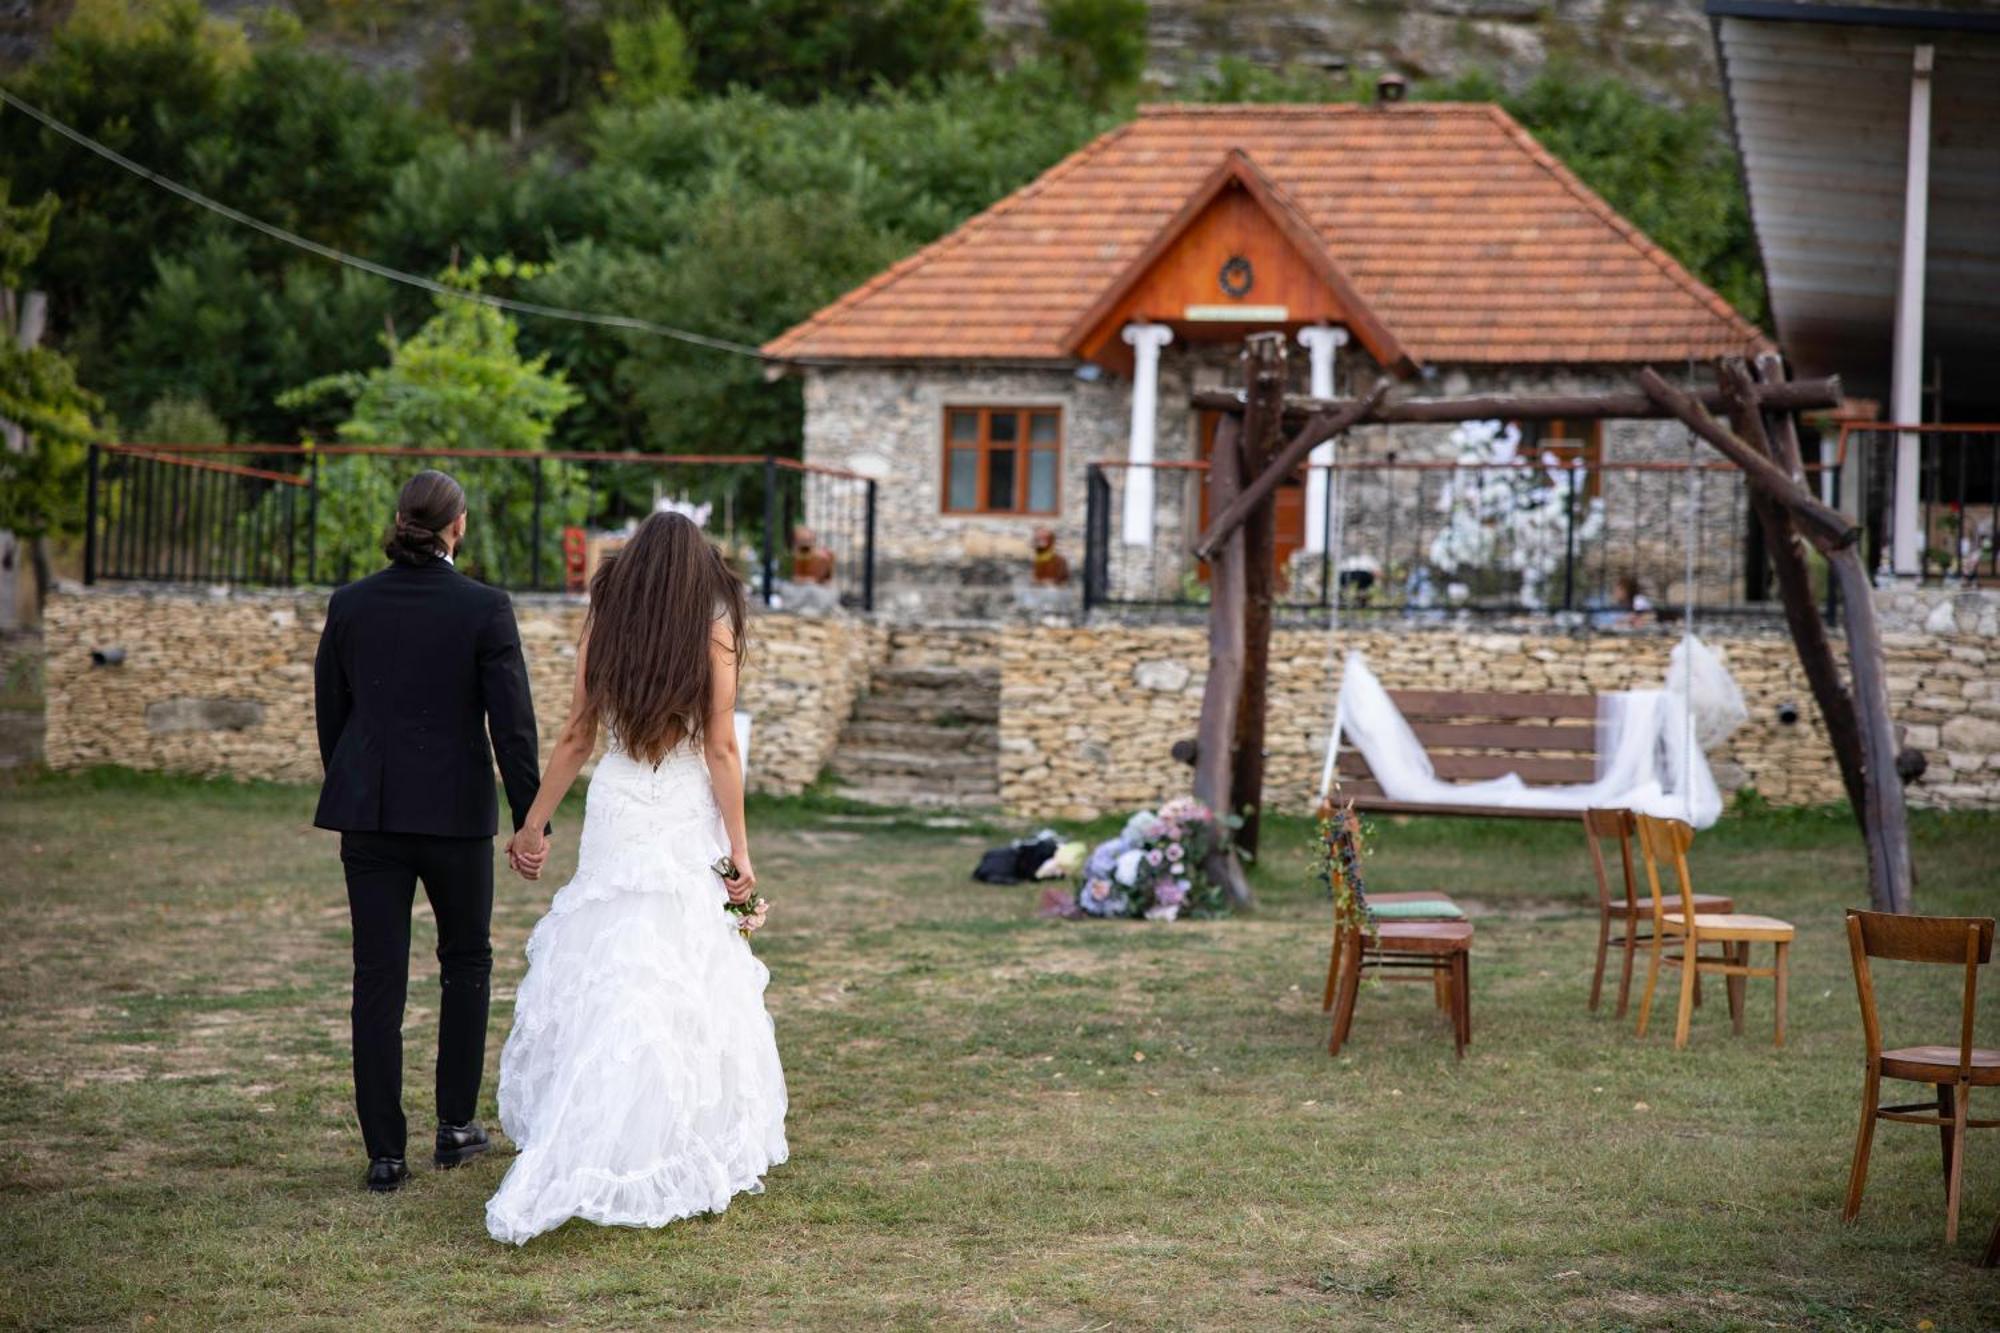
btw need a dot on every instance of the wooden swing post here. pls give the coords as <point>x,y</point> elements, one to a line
<point>1884,818</point>
<point>1776,434</point>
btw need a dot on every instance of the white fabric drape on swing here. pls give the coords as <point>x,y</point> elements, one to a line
<point>1644,762</point>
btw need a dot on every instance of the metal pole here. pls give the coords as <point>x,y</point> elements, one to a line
<point>1326,532</point>
<point>868,553</point>
<point>535,529</point>
<point>312,519</point>
<point>90,522</point>
<point>770,521</point>
<point>1906,370</point>
<point>291,534</point>
<point>1569,539</point>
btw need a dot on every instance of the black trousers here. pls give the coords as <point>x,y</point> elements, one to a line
<point>382,874</point>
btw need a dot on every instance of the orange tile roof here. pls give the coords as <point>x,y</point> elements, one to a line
<point>1464,236</point>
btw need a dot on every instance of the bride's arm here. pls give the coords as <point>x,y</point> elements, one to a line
<point>725,768</point>
<point>529,847</point>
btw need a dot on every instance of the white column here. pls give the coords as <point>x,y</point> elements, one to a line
<point>1146,341</point>
<point>1906,383</point>
<point>1322,342</point>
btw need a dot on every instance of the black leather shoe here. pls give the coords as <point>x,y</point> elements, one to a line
<point>458,1144</point>
<point>387,1174</point>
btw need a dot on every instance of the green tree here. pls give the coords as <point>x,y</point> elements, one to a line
<point>459,382</point>
<point>273,128</point>
<point>649,58</point>
<point>805,50</point>
<point>1100,44</point>
<point>739,216</point>
<point>39,398</point>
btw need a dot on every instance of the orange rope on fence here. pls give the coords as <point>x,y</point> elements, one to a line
<point>517,455</point>
<point>151,455</point>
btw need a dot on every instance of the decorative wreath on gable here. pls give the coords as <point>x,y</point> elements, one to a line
<point>1236,276</point>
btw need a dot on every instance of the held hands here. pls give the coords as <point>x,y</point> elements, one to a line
<point>527,852</point>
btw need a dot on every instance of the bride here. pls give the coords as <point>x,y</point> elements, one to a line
<point>641,1081</point>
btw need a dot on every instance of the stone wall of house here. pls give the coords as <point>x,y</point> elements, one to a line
<point>222,684</point>
<point>1088,713</point>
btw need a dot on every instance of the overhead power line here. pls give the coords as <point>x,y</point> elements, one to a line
<point>292,238</point>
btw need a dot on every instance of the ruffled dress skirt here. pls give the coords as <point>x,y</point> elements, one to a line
<point>641,1082</point>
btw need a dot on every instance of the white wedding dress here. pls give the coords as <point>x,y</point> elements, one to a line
<point>641,1082</point>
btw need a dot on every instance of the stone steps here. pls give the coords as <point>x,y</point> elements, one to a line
<point>950,711</point>
<point>869,733</point>
<point>925,734</point>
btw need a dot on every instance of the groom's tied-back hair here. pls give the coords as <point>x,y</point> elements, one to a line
<point>654,606</point>
<point>431,502</point>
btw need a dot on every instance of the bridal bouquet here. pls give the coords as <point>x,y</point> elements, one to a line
<point>751,912</point>
<point>1153,868</point>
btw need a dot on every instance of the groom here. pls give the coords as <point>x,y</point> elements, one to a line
<point>416,663</point>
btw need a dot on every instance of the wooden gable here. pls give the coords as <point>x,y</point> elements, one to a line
<point>1236,257</point>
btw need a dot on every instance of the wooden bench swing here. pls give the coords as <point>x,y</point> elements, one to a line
<point>1547,739</point>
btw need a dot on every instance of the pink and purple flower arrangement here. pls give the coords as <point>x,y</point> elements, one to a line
<point>1153,868</point>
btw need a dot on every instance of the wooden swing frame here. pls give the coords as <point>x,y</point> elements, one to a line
<point>1253,454</point>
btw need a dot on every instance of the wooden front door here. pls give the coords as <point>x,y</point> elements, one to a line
<point>1289,503</point>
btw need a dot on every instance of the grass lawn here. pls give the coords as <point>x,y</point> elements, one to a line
<point>997,1120</point>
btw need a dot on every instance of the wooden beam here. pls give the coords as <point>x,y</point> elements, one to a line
<point>1828,528</point>
<point>1786,550</point>
<point>1264,364</point>
<point>1266,478</point>
<point>1890,876</point>
<point>1788,396</point>
<point>1885,820</point>
<point>1214,765</point>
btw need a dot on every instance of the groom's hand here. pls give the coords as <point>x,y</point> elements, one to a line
<point>527,851</point>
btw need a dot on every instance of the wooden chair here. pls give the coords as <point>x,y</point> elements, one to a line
<point>1447,911</point>
<point>1954,1071</point>
<point>1633,921</point>
<point>1440,948</point>
<point>1669,840</point>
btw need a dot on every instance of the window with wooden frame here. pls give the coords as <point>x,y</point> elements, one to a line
<point>1002,460</point>
<point>1572,441</point>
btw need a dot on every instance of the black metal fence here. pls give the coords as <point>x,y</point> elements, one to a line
<point>289,515</point>
<point>1610,542</point>
<point>1958,495</point>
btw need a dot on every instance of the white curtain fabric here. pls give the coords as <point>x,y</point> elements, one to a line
<point>1650,745</point>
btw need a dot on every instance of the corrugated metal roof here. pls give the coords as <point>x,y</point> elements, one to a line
<point>1821,112</point>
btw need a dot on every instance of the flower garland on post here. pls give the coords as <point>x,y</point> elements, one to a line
<point>1343,841</point>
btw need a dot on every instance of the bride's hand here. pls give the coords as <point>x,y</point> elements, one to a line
<point>527,850</point>
<point>745,883</point>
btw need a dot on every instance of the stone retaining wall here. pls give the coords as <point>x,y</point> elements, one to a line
<point>223,684</point>
<point>1087,714</point>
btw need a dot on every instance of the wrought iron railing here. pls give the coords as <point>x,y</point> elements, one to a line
<point>288,515</point>
<point>1958,495</point>
<point>1606,542</point>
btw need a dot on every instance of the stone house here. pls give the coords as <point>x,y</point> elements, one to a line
<point>980,379</point>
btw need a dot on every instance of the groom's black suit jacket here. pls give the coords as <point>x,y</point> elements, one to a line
<point>415,664</point>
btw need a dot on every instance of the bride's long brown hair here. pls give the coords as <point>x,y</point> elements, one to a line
<point>654,606</point>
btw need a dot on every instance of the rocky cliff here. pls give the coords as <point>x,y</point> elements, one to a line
<point>1660,45</point>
